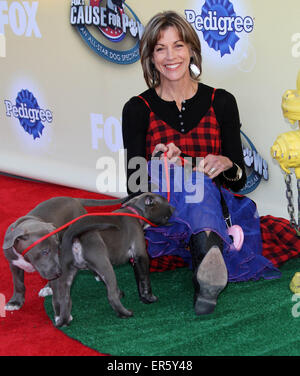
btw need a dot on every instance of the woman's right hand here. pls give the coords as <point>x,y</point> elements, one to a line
<point>159,148</point>
<point>173,152</point>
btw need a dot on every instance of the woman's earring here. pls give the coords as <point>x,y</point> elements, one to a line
<point>194,69</point>
<point>154,73</point>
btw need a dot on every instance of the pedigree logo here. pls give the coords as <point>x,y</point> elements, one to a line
<point>220,25</point>
<point>28,112</point>
<point>102,22</point>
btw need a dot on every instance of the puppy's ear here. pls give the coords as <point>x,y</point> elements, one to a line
<point>12,233</point>
<point>22,229</point>
<point>16,230</point>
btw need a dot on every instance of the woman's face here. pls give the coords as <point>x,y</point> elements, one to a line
<point>171,56</point>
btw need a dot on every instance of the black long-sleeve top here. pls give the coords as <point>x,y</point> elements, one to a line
<point>135,122</point>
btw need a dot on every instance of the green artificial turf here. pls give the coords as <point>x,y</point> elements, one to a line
<point>251,318</point>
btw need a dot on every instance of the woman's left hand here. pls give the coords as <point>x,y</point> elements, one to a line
<point>213,165</point>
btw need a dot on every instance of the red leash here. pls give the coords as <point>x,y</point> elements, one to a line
<point>82,216</point>
<point>167,176</point>
<point>183,161</point>
<point>105,214</point>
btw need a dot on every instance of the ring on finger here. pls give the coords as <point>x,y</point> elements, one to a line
<point>212,170</point>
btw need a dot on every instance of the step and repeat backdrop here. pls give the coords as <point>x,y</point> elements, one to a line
<point>68,67</point>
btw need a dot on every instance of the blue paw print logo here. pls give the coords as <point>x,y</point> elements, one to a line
<point>248,157</point>
<point>256,166</point>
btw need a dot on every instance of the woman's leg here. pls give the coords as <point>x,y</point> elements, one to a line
<point>209,270</point>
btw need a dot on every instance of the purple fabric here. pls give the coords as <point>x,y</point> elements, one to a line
<point>206,214</point>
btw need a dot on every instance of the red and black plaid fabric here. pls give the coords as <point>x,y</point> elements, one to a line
<point>202,140</point>
<point>280,241</point>
<point>168,262</point>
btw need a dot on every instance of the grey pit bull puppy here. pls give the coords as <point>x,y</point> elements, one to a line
<point>99,250</point>
<point>43,258</point>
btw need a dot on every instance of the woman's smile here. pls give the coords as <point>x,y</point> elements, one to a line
<point>172,66</point>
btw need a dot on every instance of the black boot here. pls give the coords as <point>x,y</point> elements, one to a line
<point>209,270</point>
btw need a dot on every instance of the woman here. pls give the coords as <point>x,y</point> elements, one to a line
<point>179,116</point>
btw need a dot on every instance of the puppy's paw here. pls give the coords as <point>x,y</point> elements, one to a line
<point>59,322</point>
<point>148,299</point>
<point>12,306</point>
<point>46,291</point>
<point>125,314</point>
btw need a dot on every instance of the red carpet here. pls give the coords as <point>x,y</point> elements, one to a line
<point>29,331</point>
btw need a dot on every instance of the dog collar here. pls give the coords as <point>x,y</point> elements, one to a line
<point>135,212</point>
